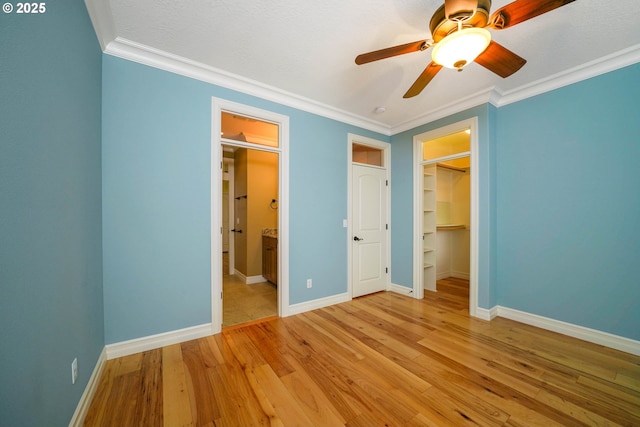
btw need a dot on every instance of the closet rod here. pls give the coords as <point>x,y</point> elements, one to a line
<point>453,168</point>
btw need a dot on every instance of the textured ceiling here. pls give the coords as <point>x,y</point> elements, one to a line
<point>307,49</point>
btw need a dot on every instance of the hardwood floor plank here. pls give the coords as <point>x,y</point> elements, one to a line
<point>203,409</point>
<point>149,404</point>
<point>380,360</point>
<point>310,396</point>
<point>284,404</point>
<point>263,399</point>
<point>99,409</point>
<point>176,408</point>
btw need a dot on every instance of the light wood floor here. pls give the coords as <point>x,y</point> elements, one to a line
<point>383,359</point>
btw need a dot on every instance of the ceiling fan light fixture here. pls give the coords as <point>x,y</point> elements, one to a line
<point>461,47</point>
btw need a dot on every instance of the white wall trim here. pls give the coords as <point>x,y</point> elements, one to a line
<point>318,303</point>
<point>490,95</point>
<point>591,335</point>
<point>87,396</point>
<point>142,54</point>
<point>606,64</point>
<point>252,280</point>
<point>460,275</point>
<point>486,314</point>
<point>151,342</point>
<point>400,289</point>
<point>577,74</point>
<point>248,280</point>
<point>102,20</point>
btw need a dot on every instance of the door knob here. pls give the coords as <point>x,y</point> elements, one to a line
<point>357,239</point>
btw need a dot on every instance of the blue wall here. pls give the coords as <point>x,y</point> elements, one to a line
<point>156,199</point>
<point>50,212</point>
<point>568,206</point>
<point>402,201</point>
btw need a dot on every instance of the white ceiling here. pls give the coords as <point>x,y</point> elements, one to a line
<point>304,51</point>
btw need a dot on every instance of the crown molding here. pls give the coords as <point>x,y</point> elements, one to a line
<point>606,64</point>
<point>101,17</point>
<point>498,98</point>
<point>102,20</point>
<point>490,95</point>
<point>146,55</point>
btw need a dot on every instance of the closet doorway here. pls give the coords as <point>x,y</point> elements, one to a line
<point>249,199</point>
<point>445,216</point>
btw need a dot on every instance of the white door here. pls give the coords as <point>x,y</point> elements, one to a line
<point>369,239</point>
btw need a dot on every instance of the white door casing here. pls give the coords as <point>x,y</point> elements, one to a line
<point>217,106</point>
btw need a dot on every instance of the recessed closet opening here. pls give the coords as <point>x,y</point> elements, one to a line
<point>446,211</point>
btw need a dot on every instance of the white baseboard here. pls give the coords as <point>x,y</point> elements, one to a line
<point>460,275</point>
<point>318,303</point>
<point>152,342</point>
<point>401,289</point>
<point>486,314</point>
<point>77,420</point>
<point>456,274</point>
<point>598,337</point>
<point>443,275</point>
<point>252,280</point>
<point>249,280</point>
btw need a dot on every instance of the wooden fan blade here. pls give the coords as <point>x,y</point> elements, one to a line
<point>392,51</point>
<point>500,60</point>
<point>423,80</point>
<point>456,8</point>
<point>522,10</point>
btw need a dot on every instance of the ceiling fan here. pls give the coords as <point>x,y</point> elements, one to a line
<point>460,36</point>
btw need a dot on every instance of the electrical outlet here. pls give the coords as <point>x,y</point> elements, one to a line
<point>74,371</point>
<point>309,283</point>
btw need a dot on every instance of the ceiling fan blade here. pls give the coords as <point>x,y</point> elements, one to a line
<point>423,80</point>
<point>459,8</point>
<point>500,60</point>
<point>393,51</point>
<point>522,10</point>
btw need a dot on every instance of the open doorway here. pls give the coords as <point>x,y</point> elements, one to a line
<point>249,196</point>
<point>249,279</point>
<point>445,216</point>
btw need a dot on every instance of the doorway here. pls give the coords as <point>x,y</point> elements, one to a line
<point>258,141</point>
<point>369,216</point>
<point>445,208</point>
<point>249,283</point>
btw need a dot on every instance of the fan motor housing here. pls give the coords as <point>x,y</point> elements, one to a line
<point>441,27</point>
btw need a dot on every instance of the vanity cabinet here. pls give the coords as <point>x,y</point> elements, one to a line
<point>270,259</point>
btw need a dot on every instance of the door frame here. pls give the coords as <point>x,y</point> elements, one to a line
<point>386,149</point>
<point>218,106</point>
<point>232,244</point>
<point>418,273</point>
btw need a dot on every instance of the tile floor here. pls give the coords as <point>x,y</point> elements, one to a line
<point>244,303</point>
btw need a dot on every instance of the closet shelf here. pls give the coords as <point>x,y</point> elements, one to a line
<point>450,227</point>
